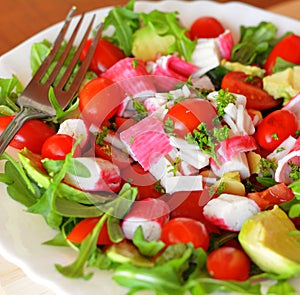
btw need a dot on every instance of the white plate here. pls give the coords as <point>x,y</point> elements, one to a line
<point>21,233</point>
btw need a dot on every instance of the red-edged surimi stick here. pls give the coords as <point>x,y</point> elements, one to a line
<point>230,211</point>
<point>98,175</point>
<point>151,214</point>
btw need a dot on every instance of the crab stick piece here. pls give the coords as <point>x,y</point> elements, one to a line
<point>94,174</point>
<point>151,214</point>
<point>230,211</point>
<point>75,128</point>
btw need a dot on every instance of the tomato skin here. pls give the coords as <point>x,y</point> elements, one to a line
<point>57,146</point>
<point>274,195</point>
<point>143,180</point>
<point>99,100</point>
<point>275,128</point>
<point>84,227</point>
<point>189,113</point>
<point>206,27</point>
<point>288,49</point>
<point>190,205</point>
<point>31,135</point>
<point>185,230</point>
<point>228,263</point>
<point>252,88</point>
<point>106,55</point>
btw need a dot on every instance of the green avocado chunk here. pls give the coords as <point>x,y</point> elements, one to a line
<point>266,238</point>
<point>283,84</point>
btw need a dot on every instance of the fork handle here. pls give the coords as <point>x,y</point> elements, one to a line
<point>15,125</point>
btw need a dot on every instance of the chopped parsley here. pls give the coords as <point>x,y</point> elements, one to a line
<point>174,166</point>
<point>267,167</point>
<point>223,99</point>
<point>275,136</point>
<point>101,135</point>
<point>169,127</point>
<point>295,171</point>
<point>140,108</point>
<point>206,139</point>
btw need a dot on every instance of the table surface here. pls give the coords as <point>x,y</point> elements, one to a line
<point>20,20</point>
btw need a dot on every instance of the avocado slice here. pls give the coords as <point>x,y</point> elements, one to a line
<point>283,84</point>
<point>266,238</point>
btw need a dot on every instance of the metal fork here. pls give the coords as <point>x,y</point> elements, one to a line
<point>34,102</point>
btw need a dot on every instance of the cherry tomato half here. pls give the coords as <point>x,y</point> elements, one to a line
<point>190,205</point>
<point>32,134</point>
<point>84,227</point>
<point>288,49</point>
<point>228,263</point>
<point>185,230</point>
<point>252,88</point>
<point>106,55</point>
<point>206,27</point>
<point>187,114</point>
<point>57,146</point>
<point>99,100</point>
<point>275,128</point>
<point>274,195</point>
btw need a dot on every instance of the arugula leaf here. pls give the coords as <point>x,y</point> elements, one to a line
<point>282,288</point>
<point>88,246</point>
<point>17,184</point>
<point>167,24</point>
<point>10,89</point>
<point>59,112</point>
<point>146,248</point>
<point>124,22</point>
<point>254,41</point>
<point>282,65</point>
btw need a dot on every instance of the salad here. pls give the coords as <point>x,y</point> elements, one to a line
<point>170,175</point>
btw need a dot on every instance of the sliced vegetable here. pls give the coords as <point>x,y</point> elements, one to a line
<point>252,88</point>
<point>151,214</point>
<point>283,50</point>
<point>185,230</point>
<point>31,135</point>
<point>275,128</point>
<point>228,263</point>
<point>206,27</point>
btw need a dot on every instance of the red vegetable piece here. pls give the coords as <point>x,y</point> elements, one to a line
<point>206,27</point>
<point>274,195</point>
<point>288,49</point>
<point>252,88</point>
<point>228,263</point>
<point>185,230</point>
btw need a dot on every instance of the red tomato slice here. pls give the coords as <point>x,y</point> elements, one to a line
<point>273,195</point>
<point>275,128</point>
<point>228,263</point>
<point>190,205</point>
<point>288,49</point>
<point>84,227</point>
<point>32,134</point>
<point>185,230</point>
<point>206,27</point>
<point>57,146</point>
<point>143,180</point>
<point>189,113</point>
<point>252,88</point>
<point>106,55</point>
<point>99,100</point>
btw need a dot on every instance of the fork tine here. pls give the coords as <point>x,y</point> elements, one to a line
<point>86,62</point>
<point>46,63</point>
<point>75,57</point>
<point>64,54</point>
